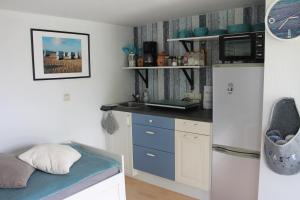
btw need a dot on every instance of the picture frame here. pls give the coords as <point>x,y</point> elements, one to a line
<point>60,54</point>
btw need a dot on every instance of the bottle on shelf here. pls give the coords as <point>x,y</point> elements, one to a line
<point>131,60</point>
<point>202,55</point>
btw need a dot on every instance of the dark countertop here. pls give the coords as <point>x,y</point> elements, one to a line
<point>196,114</point>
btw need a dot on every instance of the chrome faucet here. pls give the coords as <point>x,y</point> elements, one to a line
<point>136,97</point>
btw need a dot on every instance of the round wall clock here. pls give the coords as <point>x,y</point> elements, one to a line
<point>283,19</point>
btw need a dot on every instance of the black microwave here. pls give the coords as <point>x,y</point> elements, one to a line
<point>244,47</point>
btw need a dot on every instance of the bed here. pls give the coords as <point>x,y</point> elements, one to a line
<point>97,175</point>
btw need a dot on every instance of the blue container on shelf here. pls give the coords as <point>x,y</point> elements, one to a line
<point>217,32</point>
<point>184,33</point>
<point>176,34</point>
<point>238,28</point>
<point>258,27</point>
<point>200,31</point>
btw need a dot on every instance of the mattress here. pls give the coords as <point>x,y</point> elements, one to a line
<point>92,168</point>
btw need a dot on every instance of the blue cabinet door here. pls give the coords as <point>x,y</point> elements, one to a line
<point>155,121</point>
<point>153,161</point>
<point>153,137</point>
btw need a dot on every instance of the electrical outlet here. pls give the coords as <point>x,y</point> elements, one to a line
<point>67,97</point>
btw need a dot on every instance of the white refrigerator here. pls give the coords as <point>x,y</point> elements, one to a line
<point>237,116</point>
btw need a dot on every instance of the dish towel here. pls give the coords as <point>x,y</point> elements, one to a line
<point>109,123</point>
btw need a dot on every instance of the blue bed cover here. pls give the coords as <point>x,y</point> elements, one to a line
<point>41,185</point>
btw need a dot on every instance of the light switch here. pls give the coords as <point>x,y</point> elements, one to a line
<point>67,97</point>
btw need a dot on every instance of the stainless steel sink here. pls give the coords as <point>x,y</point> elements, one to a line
<point>131,104</point>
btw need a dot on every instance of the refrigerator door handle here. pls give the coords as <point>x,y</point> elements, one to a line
<point>236,152</point>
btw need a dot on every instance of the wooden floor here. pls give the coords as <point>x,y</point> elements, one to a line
<point>138,190</point>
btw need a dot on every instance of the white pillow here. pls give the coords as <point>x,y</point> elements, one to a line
<point>51,158</point>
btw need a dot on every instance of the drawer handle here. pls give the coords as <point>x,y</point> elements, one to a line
<point>150,133</point>
<point>191,137</point>
<point>150,155</point>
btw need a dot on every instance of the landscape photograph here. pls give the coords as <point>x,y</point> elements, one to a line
<point>61,55</point>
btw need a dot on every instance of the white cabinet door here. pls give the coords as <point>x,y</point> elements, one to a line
<point>120,142</point>
<point>192,159</point>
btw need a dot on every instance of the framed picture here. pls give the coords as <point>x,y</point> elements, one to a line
<point>60,55</point>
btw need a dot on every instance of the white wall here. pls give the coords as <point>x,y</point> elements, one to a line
<point>282,79</point>
<point>34,111</point>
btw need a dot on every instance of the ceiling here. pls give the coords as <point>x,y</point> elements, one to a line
<point>123,12</point>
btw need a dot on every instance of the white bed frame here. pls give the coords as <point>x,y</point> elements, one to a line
<point>112,188</point>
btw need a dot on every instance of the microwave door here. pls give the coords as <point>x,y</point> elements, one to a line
<point>237,47</point>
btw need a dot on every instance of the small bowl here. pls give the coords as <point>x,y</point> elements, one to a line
<point>239,28</point>
<point>183,33</point>
<point>200,31</point>
<point>217,32</point>
<point>258,27</point>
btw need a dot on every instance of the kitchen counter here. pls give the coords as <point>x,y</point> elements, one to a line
<point>196,114</point>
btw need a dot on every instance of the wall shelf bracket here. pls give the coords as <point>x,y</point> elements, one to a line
<point>190,78</point>
<point>144,78</point>
<point>188,45</point>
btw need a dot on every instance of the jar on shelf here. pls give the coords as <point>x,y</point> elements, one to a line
<point>186,59</point>
<point>191,60</point>
<point>161,59</point>
<point>197,58</point>
<point>180,60</point>
<point>166,61</point>
<point>174,61</point>
<point>140,61</point>
<point>170,61</point>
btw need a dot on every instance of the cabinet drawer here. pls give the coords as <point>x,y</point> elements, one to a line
<point>203,128</point>
<point>153,137</point>
<point>154,162</point>
<point>156,121</point>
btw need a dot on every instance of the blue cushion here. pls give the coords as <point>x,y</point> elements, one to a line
<point>41,185</point>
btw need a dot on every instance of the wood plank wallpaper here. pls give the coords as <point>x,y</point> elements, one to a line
<point>171,83</point>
